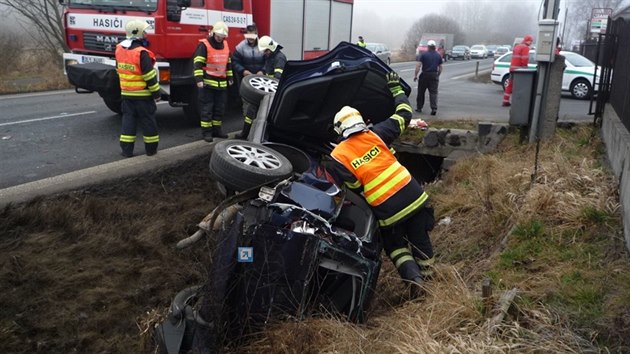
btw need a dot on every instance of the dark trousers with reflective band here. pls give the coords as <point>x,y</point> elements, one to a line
<point>213,102</point>
<point>139,112</point>
<point>430,81</point>
<point>408,245</point>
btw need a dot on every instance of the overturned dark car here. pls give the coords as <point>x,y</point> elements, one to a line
<point>289,242</point>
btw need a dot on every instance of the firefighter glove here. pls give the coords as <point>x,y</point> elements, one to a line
<point>393,83</point>
<point>392,79</point>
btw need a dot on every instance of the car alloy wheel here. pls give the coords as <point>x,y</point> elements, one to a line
<point>581,89</point>
<point>255,87</point>
<point>240,165</point>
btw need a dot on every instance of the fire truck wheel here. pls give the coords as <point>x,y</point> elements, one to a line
<point>255,87</point>
<point>113,103</point>
<point>191,110</point>
<point>240,165</point>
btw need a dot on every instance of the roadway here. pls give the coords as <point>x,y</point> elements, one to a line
<point>51,133</point>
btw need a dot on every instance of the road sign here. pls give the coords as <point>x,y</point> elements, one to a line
<point>601,12</point>
<point>598,24</point>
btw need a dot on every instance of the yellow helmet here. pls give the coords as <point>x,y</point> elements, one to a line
<point>348,121</point>
<point>136,28</point>
<point>266,42</point>
<point>220,28</point>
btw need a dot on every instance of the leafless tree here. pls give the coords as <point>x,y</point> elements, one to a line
<point>491,23</point>
<point>431,23</point>
<point>579,14</point>
<point>42,20</point>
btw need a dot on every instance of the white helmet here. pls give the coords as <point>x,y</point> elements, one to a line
<point>431,43</point>
<point>220,28</point>
<point>348,121</point>
<point>136,28</point>
<point>266,42</point>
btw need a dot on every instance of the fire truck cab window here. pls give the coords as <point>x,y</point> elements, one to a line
<point>233,4</point>
<point>196,3</point>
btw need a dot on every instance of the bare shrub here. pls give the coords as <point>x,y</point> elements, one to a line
<point>10,50</point>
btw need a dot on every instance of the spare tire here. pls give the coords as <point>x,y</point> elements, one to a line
<point>241,164</point>
<point>255,87</point>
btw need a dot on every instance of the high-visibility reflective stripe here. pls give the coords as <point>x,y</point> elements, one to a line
<point>402,260</point>
<point>132,77</point>
<point>216,123</point>
<point>205,124</point>
<point>248,120</point>
<point>148,76</point>
<point>350,114</point>
<point>401,214</point>
<point>384,175</point>
<point>387,187</point>
<point>425,262</point>
<point>426,272</point>
<point>278,70</point>
<point>155,87</point>
<point>151,139</point>
<point>353,185</point>
<point>215,83</point>
<point>404,107</point>
<point>400,120</point>
<point>199,59</point>
<point>128,138</point>
<point>143,93</point>
<point>398,251</point>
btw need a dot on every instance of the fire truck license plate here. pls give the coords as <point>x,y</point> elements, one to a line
<point>85,59</point>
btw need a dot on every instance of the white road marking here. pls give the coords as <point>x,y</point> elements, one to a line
<point>47,118</point>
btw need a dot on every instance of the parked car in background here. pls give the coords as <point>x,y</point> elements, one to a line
<point>381,51</point>
<point>577,78</point>
<point>491,49</point>
<point>461,52</point>
<point>478,51</point>
<point>500,51</point>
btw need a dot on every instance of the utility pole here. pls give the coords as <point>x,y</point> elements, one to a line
<point>545,54</point>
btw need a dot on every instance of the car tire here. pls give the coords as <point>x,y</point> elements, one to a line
<point>241,164</point>
<point>581,89</point>
<point>191,111</point>
<point>255,87</point>
<point>504,81</point>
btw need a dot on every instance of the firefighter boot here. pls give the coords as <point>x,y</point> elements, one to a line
<point>217,132</point>
<point>245,132</point>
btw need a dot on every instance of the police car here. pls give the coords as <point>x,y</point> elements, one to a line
<point>577,78</point>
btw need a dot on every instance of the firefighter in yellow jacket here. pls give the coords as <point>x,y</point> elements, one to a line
<point>139,88</point>
<point>365,163</point>
<point>213,73</point>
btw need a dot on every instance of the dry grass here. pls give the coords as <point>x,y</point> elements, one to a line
<point>32,71</point>
<point>93,270</point>
<point>574,290</point>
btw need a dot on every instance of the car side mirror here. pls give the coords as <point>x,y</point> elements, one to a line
<point>61,2</point>
<point>183,3</point>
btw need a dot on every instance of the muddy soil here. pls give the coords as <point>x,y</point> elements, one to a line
<point>80,272</point>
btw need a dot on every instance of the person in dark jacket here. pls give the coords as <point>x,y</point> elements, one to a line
<point>275,61</point>
<point>431,64</point>
<point>365,164</point>
<point>247,59</point>
<point>139,88</point>
<point>213,73</point>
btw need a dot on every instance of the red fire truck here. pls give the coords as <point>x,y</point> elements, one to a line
<point>305,28</point>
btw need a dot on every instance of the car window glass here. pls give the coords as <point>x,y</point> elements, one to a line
<point>506,58</point>
<point>233,4</point>
<point>578,60</point>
